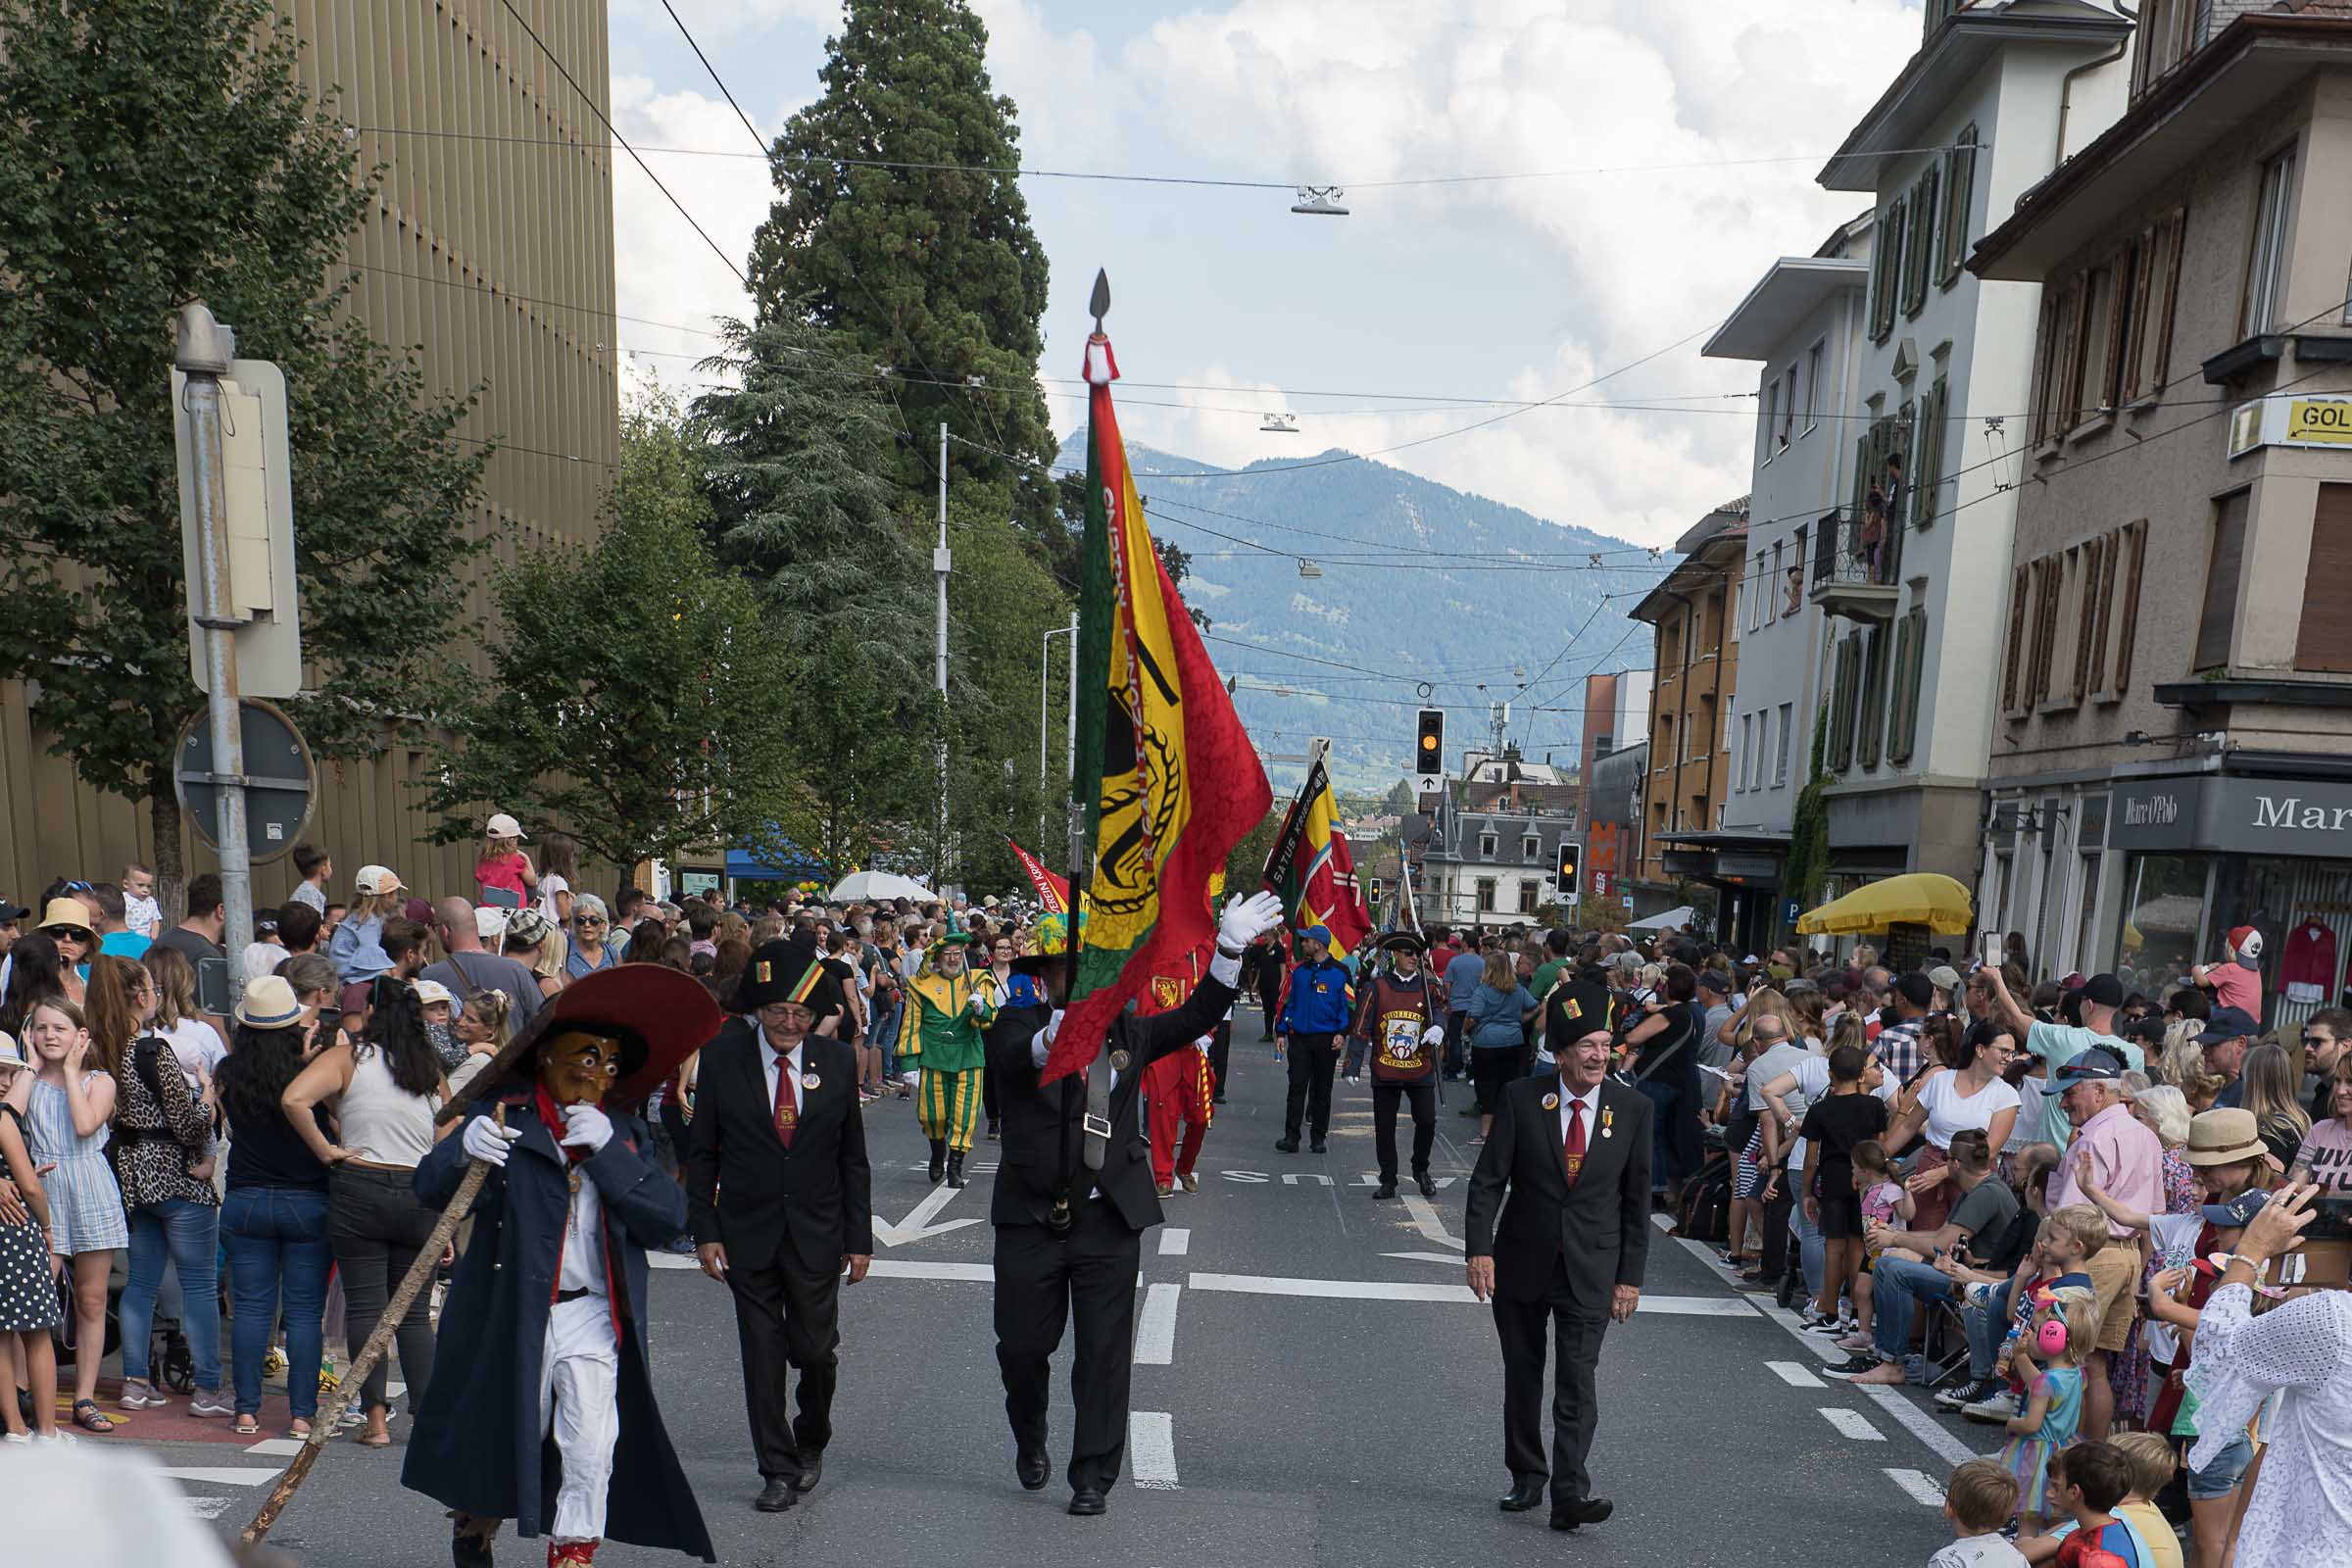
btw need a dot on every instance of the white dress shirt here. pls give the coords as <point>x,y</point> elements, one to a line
<point>1590,1100</point>
<point>770,1058</point>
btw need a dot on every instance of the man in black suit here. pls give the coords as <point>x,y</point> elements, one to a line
<point>1567,1249</point>
<point>1069,1237</point>
<point>780,1201</point>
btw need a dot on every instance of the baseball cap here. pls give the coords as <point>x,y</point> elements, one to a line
<point>2103,991</point>
<point>2245,942</point>
<point>1916,989</point>
<point>526,927</point>
<point>490,922</point>
<point>429,992</point>
<point>1943,977</point>
<point>375,880</point>
<point>11,909</point>
<point>2228,1023</point>
<point>265,922</point>
<point>1317,933</point>
<point>268,1003</point>
<point>9,1051</point>
<point>2238,1212</point>
<point>503,827</point>
<point>2096,1065</point>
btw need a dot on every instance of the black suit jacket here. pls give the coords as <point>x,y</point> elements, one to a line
<point>803,1208</point>
<point>1600,1226</point>
<point>1040,1121</point>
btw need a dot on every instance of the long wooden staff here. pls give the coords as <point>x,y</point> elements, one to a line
<point>419,1274</point>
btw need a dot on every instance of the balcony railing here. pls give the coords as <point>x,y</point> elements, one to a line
<point>1852,578</point>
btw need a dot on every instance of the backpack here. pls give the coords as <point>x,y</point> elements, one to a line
<point>1705,1211</point>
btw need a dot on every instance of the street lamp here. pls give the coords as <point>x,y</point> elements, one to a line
<point>1320,201</point>
<point>1045,653</point>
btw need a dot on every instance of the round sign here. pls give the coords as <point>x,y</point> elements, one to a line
<point>280,780</point>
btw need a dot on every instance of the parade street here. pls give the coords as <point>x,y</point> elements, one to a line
<point>1313,1385</point>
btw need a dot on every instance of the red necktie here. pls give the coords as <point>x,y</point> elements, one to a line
<point>1572,1148</point>
<point>788,1106</point>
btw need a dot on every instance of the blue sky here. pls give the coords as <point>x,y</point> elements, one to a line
<point>1514,290</point>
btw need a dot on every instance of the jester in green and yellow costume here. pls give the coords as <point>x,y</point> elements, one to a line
<point>946,1008</point>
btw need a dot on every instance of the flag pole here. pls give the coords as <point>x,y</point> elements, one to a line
<point>1098,305</point>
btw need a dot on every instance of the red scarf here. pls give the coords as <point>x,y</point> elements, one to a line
<point>552,1116</point>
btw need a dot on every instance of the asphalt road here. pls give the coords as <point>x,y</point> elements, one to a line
<point>1314,1388</point>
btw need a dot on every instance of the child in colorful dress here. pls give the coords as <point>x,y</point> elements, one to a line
<point>2052,1367</point>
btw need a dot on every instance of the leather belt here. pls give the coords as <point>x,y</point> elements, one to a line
<point>572,1295</point>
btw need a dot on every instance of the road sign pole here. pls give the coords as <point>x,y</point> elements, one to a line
<point>205,350</point>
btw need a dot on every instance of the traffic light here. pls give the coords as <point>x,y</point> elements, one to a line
<point>1569,855</point>
<point>1375,892</point>
<point>1429,752</point>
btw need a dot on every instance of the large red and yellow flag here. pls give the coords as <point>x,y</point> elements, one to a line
<point>1309,867</point>
<point>1053,893</point>
<point>1166,772</point>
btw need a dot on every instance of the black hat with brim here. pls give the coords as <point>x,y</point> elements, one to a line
<point>1404,942</point>
<point>785,972</point>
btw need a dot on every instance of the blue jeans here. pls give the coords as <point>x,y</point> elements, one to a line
<point>1811,1255</point>
<point>188,1234</point>
<point>1894,1284</point>
<point>1661,1097</point>
<point>885,1034</point>
<point>1988,1327</point>
<point>278,1241</point>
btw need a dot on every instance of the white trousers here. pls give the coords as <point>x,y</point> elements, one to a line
<point>579,1399</point>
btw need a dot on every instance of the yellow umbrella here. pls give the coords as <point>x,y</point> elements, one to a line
<point>1922,897</point>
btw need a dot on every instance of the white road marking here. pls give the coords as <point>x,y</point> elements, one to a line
<point>277,1448</point>
<point>216,1476</point>
<point>1175,1242</point>
<point>1923,1488</point>
<point>207,1507</point>
<point>1151,1450</point>
<point>1851,1424</point>
<point>1427,1222</point>
<point>1291,1178</point>
<point>1427,1291</point>
<point>1428,1257</point>
<point>1696,1306</point>
<point>917,1226</point>
<point>1921,1425</point>
<point>1796,1376</point>
<point>896,1268</point>
<point>672,1260</point>
<point>1156,1330</point>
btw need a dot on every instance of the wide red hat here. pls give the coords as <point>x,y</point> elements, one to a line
<point>663,1016</point>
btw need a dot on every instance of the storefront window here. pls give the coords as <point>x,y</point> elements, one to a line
<point>2086,899</point>
<point>2163,906</point>
<point>2303,909</point>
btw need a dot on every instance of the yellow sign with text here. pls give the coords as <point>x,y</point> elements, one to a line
<point>2326,421</point>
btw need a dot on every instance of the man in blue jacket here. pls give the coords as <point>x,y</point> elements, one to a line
<point>1314,1024</point>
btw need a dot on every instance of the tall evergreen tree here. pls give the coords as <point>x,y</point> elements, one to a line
<point>887,229</point>
<point>152,151</point>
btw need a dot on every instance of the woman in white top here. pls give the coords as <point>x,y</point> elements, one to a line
<point>384,1092</point>
<point>559,863</point>
<point>1952,1099</point>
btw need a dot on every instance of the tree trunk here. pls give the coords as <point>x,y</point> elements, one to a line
<point>171,869</point>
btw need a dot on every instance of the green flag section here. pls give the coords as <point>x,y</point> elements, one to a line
<point>1167,773</point>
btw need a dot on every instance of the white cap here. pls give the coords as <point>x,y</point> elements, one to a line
<point>503,827</point>
<point>429,992</point>
<point>8,1049</point>
<point>374,879</point>
<point>490,921</point>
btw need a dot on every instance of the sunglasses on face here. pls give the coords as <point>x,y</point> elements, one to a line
<point>588,919</point>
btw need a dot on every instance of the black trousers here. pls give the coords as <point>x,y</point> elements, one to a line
<point>1424,1098</point>
<point>1270,999</point>
<point>787,1318</point>
<point>1575,1401</point>
<point>1220,1051</point>
<point>988,1092</point>
<point>1312,1058</point>
<point>1086,1278</point>
<point>1775,1228</point>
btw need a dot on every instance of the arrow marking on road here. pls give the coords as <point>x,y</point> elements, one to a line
<point>1427,1222</point>
<point>917,1226</point>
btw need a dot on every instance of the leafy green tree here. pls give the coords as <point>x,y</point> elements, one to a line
<point>863,772</point>
<point>886,230</point>
<point>641,734</point>
<point>154,152</point>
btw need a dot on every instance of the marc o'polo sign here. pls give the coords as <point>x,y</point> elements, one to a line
<point>2246,815</point>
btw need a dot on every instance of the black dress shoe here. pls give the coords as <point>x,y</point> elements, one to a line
<point>1384,1189</point>
<point>956,1168</point>
<point>1088,1501</point>
<point>1316,1148</point>
<point>813,1470</point>
<point>1289,1146</point>
<point>996,1128</point>
<point>1031,1467</point>
<point>1523,1495</point>
<point>470,1549</point>
<point>776,1496</point>
<point>1582,1511</point>
<point>1429,1189</point>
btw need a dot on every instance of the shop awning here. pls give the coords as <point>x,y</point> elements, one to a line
<point>1920,898</point>
<point>745,866</point>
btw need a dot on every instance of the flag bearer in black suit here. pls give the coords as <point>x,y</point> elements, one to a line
<point>1074,1196</point>
<point>780,1201</point>
<point>1567,1251</point>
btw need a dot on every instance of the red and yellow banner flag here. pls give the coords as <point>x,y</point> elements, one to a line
<point>1166,772</point>
<point>1053,892</point>
<point>1311,870</point>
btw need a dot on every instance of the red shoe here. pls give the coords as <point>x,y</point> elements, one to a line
<point>572,1554</point>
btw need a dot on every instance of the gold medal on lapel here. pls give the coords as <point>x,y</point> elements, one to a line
<point>1607,1117</point>
<point>1551,1102</point>
<point>1119,1060</point>
<point>811,1082</point>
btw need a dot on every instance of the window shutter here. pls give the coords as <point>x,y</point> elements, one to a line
<point>2169,244</point>
<point>2049,574</point>
<point>2111,549</point>
<point>2218,621</point>
<point>1874,697</point>
<point>2014,653</point>
<point>2075,313</point>
<point>1910,653</point>
<point>1842,708</point>
<point>2136,534</point>
<point>2324,642</point>
<point>1928,477</point>
<point>2143,257</point>
<point>2088,618</point>
<point>1917,257</point>
<point>1959,200</point>
<point>2045,379</point>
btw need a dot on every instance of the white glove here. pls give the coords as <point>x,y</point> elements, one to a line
<point>1245,921</point>
<point>1434,1035</point>
<point>1052,1028</point>
<point>486,1141</point>
<point>586,1127</point>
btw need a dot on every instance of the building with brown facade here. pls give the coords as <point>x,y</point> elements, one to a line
<point>1696,671</point>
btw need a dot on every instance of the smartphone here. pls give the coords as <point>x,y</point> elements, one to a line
<point>212,987</point>
<point>2330,1220</point>
<point>1991,954</point>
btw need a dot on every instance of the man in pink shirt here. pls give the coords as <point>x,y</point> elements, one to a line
<point>2126,1160</point>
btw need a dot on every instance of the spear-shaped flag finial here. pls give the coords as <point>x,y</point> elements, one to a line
<point>1100,302</point>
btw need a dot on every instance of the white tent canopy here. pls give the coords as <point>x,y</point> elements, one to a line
<point>1683,914</point>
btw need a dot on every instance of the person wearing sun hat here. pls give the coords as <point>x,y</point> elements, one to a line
<point>947,1009</point>
<point>546,1311</point>
<point>780,1197</point>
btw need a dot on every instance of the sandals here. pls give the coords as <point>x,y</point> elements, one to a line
<point>88,1417</point>
<point>246,1426</point>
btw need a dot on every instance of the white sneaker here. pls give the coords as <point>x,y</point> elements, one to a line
<point>211,1402</point>
<point>2000,1407</point>
<point>55,1439</point>
<point>15,1437</point>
